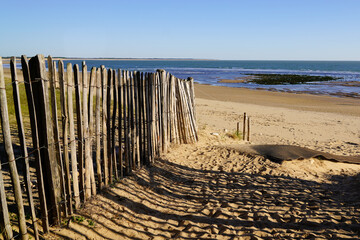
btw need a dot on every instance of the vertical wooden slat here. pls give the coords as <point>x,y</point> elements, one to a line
<point>80,131</point>
<point>85,114</point>
<point>36,146</point>
<point>65,129</point>
<point>248,129</point>
<point>192,92</point>
<point>120,120</point>
<point>136,118</point>
<point>171,110</point>
<point>108,124</point>
<point>98,128</point>
<point>5,226</point>
<point>162,75</point>
<point>126,121</point>
<point>46,137</point>
<point>144,119</point>
<point>148,99</point>
<point>132,120</point>
<point>129,123</point>
<point>155,103</point>
<point>104,125</point>
<point>22,140</point>
<point>74,168</point>
<point>56,133</point>
<point>92,86</point>
<point>113,127</point>
<point>244,126</point>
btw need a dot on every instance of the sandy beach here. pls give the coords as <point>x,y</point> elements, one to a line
<point>209,190</point>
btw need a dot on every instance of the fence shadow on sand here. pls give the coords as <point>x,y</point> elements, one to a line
<point>169,200</point>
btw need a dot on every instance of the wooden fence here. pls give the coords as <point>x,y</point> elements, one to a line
<point>109,123</point>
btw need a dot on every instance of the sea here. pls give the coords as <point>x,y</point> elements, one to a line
<point>212,71</point>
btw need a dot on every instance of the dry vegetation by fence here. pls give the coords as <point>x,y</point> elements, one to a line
<point>87,130</point>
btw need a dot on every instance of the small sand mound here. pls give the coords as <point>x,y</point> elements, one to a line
<point>281,153</point>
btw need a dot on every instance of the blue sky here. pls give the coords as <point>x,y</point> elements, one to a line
<point>223,29</point>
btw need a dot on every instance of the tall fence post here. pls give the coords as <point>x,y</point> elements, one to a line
<point>46,137</point>
<point>73,153</point>
<point>126,121</point>
<point>92,85</point>
<point>108,125</point>
<point>113,119</point>
<point>80,131</point>
<point>24,152</point>
<point>36,144</point>
<point>120,120</point>
<point>56,133</point>
<point>5,226</point>
<point>104,125</point>
<point>86,139</point>
<point>65,141</point>
<point>98,129</point>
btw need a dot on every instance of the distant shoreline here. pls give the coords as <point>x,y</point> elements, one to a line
<point>7,59</point>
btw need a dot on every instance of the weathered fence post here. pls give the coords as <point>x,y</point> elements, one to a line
<point>80,131</point>
<point>74,168</point>
<point>10,157</point>
<point>85,114</point>
<point>244,126</point>
<point>126,111</point>
<point>108,125</point>
<point>24,151</point>
<point>120,119</point>
<point>5,226</point>
<point>98,128</point>
<point>104,125</point>
<point>65,127</point>
<point>46,136</point>
<point>92,85</point>
<point>136,118</point>
<point>132,120</point>
<point>56,133</point>
<point>35,140</point>
<point>113,129</point>
<point>248,127</point>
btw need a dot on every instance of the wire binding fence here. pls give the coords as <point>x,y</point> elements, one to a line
<point>112,122</point>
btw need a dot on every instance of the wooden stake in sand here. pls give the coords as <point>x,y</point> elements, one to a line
<point>51,173</point>
<point>74,169</point>
<point>88,159</point>
<point>120,119</point>
<point>108,124</point>
<point>65,127</point>
<point>244,126</point>
<point>237,128</point>
<point>80,130</point>
<point>92,86</point>
<point>35,140</point>
<point>11,158</point>
<point>248,126</point>
<point>104,124</point>
<point>55,125</point>
<point>24,151</point>
<point>98,128</point>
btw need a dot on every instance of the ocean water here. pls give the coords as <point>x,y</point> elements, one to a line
<point>211,71</point>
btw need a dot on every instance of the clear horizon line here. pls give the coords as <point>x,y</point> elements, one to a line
<point>188,58</point>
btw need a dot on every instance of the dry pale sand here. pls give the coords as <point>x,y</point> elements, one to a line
<point>210,191</point>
